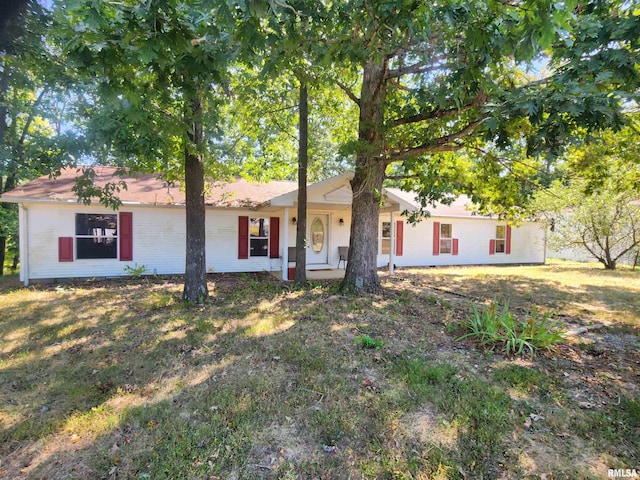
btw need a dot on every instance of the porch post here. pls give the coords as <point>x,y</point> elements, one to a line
<point>392,249</point>
<point>285,246</point>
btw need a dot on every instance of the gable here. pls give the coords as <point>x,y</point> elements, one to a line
<point>341,194</point>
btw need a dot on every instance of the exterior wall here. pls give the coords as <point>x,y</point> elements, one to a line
<point>159,237</point>
<point>473,234</point>
<point>222,243</point>
<point>158,241</point>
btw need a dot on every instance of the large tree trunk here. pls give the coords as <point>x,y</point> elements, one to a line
<point>303,162</point>
<point>362,268</point>
<point>195,275</point>
<point>362,272</point>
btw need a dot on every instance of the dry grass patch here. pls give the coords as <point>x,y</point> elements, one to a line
<point>122,380</point>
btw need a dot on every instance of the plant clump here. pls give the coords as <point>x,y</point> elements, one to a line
<point>496,326</point>
<point>365,341</point>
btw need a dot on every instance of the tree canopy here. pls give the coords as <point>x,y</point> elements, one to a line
<point>429,79</point>
<point>38,133</point>
<point>476,97</point>
<point>595,208</point>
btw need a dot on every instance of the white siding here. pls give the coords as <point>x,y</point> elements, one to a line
<point>158,241</point>
<point>159,235</point>
<point>222,243</point>
<point>473,234</point>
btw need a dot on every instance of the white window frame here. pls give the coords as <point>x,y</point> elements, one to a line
<point>259,239</point>
<point>501,240</point>
<point>99,235</point>
<point>385,242</point>
<point>446,240</point>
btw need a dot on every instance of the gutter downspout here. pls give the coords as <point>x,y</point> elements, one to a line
<point>23,222</point>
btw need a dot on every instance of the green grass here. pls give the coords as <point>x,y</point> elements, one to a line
<point>122,380</point>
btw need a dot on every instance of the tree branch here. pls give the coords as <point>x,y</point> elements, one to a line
<point>402,177</point>
<point>437,113</point>
<point>27,124</point>
<point>417,68</point>
<point>442,144</point>
<point>348,91</point>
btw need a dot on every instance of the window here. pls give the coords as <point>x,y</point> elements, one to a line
<point>96,235</point>
<point>258,237</point>
<point>501,236</point>
<point>445,238</point>
<point>317,235</point>
<point>385,245</point>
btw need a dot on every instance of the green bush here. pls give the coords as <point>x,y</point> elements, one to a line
<point>496,325</point>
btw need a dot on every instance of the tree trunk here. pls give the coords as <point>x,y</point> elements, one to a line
<point>303,162</point>
<point>362,272</point>
<point>3,248</point>
<point>195,275</point>
<point>4,85</point>
<point>362,268</point>
<point>8,184</point>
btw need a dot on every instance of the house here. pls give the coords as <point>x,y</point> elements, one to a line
<point>248,229</point>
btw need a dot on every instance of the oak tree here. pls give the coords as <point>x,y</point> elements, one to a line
<point>430,78</point>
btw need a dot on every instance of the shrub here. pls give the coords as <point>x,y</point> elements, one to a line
<point>496,325</point>
<point>135,272</point>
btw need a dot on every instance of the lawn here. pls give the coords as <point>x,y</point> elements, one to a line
<point>121,380</point>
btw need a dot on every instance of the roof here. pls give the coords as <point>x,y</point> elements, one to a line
<point>148,189</point>
<point>460,207</point>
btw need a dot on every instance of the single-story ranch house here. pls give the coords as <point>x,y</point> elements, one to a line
<point>249,227</point>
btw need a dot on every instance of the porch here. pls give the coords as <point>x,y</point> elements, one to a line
<point>328,223</point>
<point>326,274</point>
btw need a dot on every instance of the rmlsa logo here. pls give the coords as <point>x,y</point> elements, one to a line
<point>623,473</point>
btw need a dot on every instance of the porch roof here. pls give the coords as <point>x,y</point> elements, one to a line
<point>331,194</point>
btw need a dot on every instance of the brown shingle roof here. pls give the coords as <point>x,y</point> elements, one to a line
<point>460,207</point>
<point>148,189</point>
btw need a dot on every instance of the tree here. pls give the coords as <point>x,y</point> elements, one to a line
<point>605,223</point>
<point>161,70</point>
<point>599,211</point>
<point>34,114</point>
<point>264,114</point>
<point>446,77</point>
<point>303,164</point>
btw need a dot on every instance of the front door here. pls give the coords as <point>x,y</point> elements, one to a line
<point>318,239</point>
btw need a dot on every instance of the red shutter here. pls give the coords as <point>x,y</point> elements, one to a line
<point>436,238</point>
<point>65,249</point>
<point>507,248</point>
<point>492,247</point>
<point>399,237</point>
<point>454,250</point>
<point>125,232</point>
<point>243,237</point>
<point>274,237</point>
